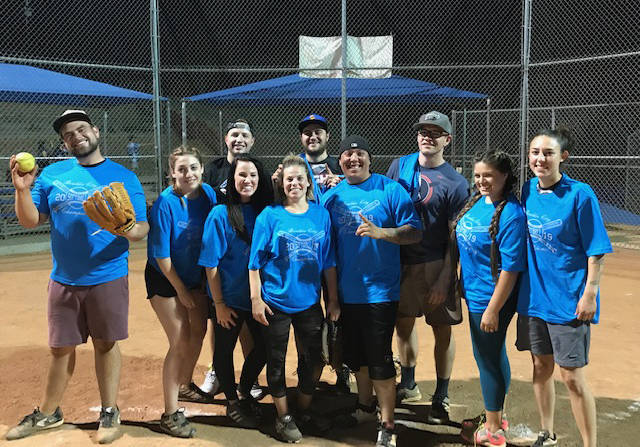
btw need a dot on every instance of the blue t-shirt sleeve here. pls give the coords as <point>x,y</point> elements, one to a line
<point>402,206</point>
<point>593,233</point>
<point>459,196</point>
<point>39,195</point>
<point>513,244</point>
<point>260,242</point>
<point>214,239</point>
<point>136,194</point>
<point>160,234</point>
<point>392,172</point>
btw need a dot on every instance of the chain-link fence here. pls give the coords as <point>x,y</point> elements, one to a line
<point>467,59</point>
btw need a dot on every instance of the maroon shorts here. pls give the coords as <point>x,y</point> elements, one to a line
<point>75,312</point>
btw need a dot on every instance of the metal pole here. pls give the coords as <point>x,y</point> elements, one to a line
<point>221,139</point>
<point>168,124</point>
<point>183,117</point>
<point>105,120</point>
<point>155,65</point>
<point>524,90</point>
<point>488,138</point>
<point>343,98</point>
<point>464,140</point>
<point>553,118</point>
<point>453,140</point>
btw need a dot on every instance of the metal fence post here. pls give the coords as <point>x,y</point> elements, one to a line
<point>524,90</point>
<point>155,64</point>
<point>343,99</point>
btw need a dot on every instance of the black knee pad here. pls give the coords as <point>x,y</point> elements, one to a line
<point>382,372</point>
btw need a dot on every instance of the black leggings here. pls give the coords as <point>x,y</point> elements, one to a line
<point>307,326</point>
<point>225,343</point>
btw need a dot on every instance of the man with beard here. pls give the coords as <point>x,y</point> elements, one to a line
<point>88,292</point>
<point>438,192</point>
<point>325,169</point>
<point>239,140</point>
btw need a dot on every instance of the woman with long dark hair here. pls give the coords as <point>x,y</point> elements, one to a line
<point>490,237</point>
<point>225,255</point>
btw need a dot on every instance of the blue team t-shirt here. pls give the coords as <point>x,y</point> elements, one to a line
<point>368,269</point>
<point>565,227</point>
<point>224,249</point>
<point>84,254</point>
<point>438,195</point>
<point>176,232</point>
<point>474,246</point>
<point>291,251</point>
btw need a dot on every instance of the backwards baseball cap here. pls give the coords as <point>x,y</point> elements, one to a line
<point>70,115</point>
<point>354,142</point>
<point>312,119</point>
<point>238,124</point>
<point>434,118</point>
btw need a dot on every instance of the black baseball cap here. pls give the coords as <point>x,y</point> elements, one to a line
<point>70,115</point>
<point>354,142</point>
<point>238,124</point>
<point>313,119</point>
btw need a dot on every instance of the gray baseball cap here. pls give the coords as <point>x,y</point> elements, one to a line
<point>434,118</point>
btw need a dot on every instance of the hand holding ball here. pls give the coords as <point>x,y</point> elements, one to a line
<point>26,162</point>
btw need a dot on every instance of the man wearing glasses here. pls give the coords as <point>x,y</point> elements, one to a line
<point>239,139</point>
<point>438,193</point>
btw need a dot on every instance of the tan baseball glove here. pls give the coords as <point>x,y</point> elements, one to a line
<point>111,209</point>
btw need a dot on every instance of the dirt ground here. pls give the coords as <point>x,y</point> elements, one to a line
<point>614,373</point>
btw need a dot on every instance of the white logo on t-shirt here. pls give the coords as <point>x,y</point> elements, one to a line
<point>349,215</point>
<point>302,246</point>
<point>69,196</point>
<point>539,227</point>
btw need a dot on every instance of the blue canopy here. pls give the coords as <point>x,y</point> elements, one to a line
<point>295,88</point>
<point>23,83</point>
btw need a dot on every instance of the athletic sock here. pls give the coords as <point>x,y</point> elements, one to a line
<point>442,389</point>
<point>408,377</point>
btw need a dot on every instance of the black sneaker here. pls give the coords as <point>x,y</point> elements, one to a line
<point>343,380</point>
<point>439,413</point>
<point>243,414</point>
<point>287,430</point>
<point>192,393</point>
<point>176,424</point>
<point>545,438</point>
<point>310,422</point>
<point>35,422</point>
<point>386,437</point>
<point>109,428</point>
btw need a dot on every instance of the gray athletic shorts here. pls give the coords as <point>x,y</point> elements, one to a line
<point>569,343</point>
<point>75,312</point>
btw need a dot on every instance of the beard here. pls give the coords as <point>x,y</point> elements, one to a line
<point>85,152</point>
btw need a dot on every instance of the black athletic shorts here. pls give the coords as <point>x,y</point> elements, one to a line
<point>157,284</point>
<point>367,333</point>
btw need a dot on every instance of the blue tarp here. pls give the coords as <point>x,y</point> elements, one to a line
<point>23,83</point>
<point>615,215</point>
<point>295,88</point>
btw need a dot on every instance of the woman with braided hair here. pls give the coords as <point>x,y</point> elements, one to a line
<point>490,236</point>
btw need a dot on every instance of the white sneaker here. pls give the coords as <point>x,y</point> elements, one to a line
<point>257,392</point>
<point>211,384</point>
